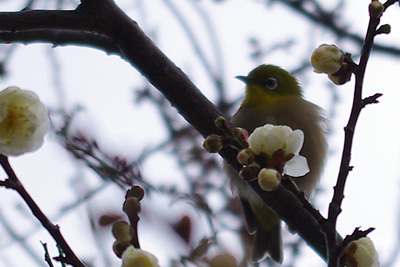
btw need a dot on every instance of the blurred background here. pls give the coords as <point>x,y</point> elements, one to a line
<point>112,129</point>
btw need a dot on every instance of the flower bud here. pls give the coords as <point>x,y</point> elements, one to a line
<point>249,173</point>
<point>375,9</point>
<point>183,228</point>
<point>340,78</point>
<point>221,123</point>
<point>120,246</point>
<point>134,257</point>
<point>223,260</point>
<point>269,179</point>
<point>360,253</point>
<point>213,143</point>
<point>241,134</point>
<point>131,207</point>
<point>327,59</point>
<point>108,219</point>
<point>385,29</point>
<point>135,191</point>
<point>121,231</point>
<point>245,157</point>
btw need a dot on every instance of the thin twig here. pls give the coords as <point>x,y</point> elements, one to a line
<point>14,183</point>
<point>47,257</point>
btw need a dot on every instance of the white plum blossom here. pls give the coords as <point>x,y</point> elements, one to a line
<point>281,146</point>
<point>331,60</point>
<point>136,257</point>
<point>23,121</point>
<point>361,253</point>
<point>327,59</point>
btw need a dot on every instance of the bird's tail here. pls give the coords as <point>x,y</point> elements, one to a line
<point>268,244</point>
<point>265,225</point>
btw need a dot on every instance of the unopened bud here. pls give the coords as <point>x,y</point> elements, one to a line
<point>340,78</point>
<point>245,157</point>
<point>119,247</point>
<point>249,173</point>
<point>242,135</point>
<point>221,123</point>
<point>122,231</point>
<point>213,143</point>
<point>223,260</point>
<point>385,29</point>
<point>131,206</point>
<point>136,191</point>
<point>375,9</point>
<point>108,219</point>
<point>183,228</point>
<point>269,179</point>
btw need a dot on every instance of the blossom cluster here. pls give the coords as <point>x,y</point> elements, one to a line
<point>276,147</point>
<point>279,146</point>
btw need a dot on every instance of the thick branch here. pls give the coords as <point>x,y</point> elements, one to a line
<point>43,19</point>
<point>60,38</point>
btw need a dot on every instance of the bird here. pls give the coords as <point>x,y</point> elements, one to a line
<point>273,96</point>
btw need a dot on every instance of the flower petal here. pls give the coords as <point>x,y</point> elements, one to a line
<point>295,142</point>
<point>296,167</point>
<point>272,143</point>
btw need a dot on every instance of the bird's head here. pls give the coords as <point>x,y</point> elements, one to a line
<point>268,82</point>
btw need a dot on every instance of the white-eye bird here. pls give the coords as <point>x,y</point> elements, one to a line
<point>273,96</point>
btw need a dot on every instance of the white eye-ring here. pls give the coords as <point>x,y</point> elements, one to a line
<point>271,84</point>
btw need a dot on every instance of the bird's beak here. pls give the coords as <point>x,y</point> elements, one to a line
<point>244,79</point>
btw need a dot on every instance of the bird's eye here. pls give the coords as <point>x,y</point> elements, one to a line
<point>271,83</point>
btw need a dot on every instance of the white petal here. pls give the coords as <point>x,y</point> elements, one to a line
<point>283,130</point>
<point>295,142</point>
<point>365,254</point>
<point>257,138</point>
<point>296,167</point>
<point>272,143</point>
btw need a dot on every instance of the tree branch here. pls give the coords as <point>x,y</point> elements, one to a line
<point>328,20</point>
<point>61,38</point>
<point>358,104</point>
<point>14,183</point>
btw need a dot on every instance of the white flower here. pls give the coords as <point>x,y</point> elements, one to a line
<point>361,253</point>
<point>135,257</point>
<point>327,59</point>
<point>268,179</point>
<point>281,146</point>
<point>23,121</point>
